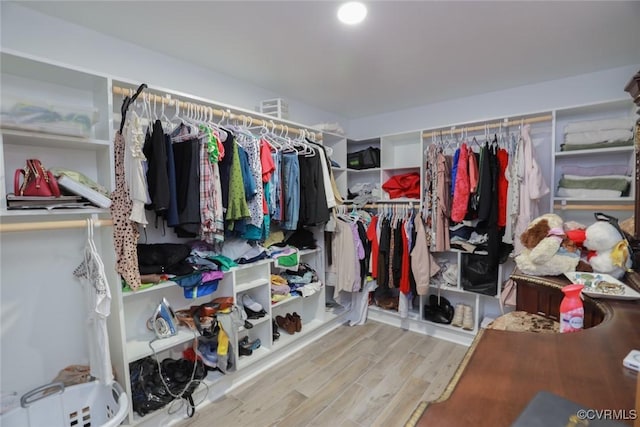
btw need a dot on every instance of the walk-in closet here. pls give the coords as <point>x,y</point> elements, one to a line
<point>318,214</point>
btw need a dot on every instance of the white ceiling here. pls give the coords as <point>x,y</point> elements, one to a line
<point>406,53</point>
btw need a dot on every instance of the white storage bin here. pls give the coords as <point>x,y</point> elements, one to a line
<point>277,107</point>
<point>41,116</point>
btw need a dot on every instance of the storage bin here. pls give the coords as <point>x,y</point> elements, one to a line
<point>277,107</point>
<point>83,405</point>
<point>41,116</point>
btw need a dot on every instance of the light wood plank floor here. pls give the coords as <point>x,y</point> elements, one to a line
<point>370,375</point>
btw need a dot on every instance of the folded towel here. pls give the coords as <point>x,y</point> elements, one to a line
<point>585,193</point>
<point>602,124</point>
<point>578,177</point>
<point>596,170</point>
<point>598,145</point>
<point>595,136</point>
<point>596,184</point>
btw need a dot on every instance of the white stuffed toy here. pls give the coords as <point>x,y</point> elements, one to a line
<point>610,254</point>
<point>547,250</point>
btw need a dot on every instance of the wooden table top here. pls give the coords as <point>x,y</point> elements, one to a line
<point>504,370</point>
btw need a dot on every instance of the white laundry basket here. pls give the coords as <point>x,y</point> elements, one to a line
<point>84,405</point>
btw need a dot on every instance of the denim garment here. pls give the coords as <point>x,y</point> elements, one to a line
<point>290,190</point>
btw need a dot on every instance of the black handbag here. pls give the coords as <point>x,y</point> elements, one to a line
<point>364,159</point>
<point>479,274</point>
<point>439,310</point>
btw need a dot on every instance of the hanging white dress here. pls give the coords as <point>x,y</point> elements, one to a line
<point>98,297</point>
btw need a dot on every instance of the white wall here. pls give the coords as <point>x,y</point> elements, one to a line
<point>31,32</point>
<point>582,89</point>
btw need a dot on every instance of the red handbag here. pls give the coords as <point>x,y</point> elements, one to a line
<point>36,181</point>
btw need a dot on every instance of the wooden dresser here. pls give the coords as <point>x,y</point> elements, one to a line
<point>504,370</point>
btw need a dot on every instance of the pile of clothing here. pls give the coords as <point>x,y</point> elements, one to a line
<point>603,181</point>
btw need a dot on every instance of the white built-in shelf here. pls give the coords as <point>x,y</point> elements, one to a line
<point>41,139</point>
<point>258,354</point>
<point>449,288</point>
<point>139,347</point>
<point>285,301</point>
<point>154,288</point>
<point>625,199</point>
<point>307,328</point>
<point>595,152</point>
<point>243,287</point>
<point>335,169</point>
<point>363,170</point>
<point>255,322</point>
<point>52,212</point>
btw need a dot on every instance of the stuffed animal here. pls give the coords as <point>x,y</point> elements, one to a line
<point>547,250</point>
<point>609,252</point>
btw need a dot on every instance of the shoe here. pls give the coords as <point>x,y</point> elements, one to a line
<point>467,318</point>
<point>297,320</point>
<point>244,351</point>
<point>457,316</point>
<point>251,304</point>
<point>286,324</point>
<point>276,334</point>
<point>208,354</point>
<point>254,314</point>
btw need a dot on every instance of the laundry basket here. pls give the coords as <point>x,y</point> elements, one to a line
<point>84,405</point>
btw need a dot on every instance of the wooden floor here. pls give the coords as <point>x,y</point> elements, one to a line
<point>370,375</point>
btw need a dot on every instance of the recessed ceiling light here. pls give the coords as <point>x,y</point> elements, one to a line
<point>352,12</point>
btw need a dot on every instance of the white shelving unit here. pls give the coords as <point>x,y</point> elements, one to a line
<point>48,285</point>
<point>581,209</point>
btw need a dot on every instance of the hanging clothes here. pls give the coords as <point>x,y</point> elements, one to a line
<point>443,203</point>
<point>503,186</point>
<point>125,232</point>
<point>423,264</point>
<point>532,187</point>
<point>135,164</point>
<point>157,177</point>
<point>462,185</point>
<point>91,273</point>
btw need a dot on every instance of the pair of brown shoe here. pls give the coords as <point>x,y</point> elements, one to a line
<point>291,323</point>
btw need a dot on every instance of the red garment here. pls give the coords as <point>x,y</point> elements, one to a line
<point>405,185</point>
<point>405,284</point>
<point>503,186</point>
<point>266,161</point>
<point>461,189</point>
<point>372,235</point>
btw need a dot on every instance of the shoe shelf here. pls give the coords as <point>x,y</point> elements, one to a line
<point>255,322</point>
<point>243,287</point>
<point>307,328</point>
<point>286,301</point>
<point>139,348</point>
<point>259,353</point>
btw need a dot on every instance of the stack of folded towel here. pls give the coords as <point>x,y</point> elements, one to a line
<point>602,181</point>
<point>594,134</point>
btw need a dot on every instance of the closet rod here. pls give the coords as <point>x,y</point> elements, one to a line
<point>561,207</point>
<point>52,225</point>
<point>492,125</point>
<point>222,113</point>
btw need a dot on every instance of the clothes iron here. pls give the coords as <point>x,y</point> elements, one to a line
<point>163,321</point>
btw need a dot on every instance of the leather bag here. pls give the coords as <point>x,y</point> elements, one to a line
<point>36,181</point>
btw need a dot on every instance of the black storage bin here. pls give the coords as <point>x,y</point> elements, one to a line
<point>364,159</point>
<point>479,274</point>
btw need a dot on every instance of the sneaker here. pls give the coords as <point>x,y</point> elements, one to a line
<point>251,304</point>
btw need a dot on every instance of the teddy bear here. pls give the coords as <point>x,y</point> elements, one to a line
<point>547,249</point>
<point>609,253</point>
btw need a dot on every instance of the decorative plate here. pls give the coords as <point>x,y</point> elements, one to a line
<point>599,285</point>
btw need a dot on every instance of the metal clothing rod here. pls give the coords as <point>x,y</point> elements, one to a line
<point>224,114</point>
<point>493,125</point>
<point>560,206</point>
<point>52,225</point>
